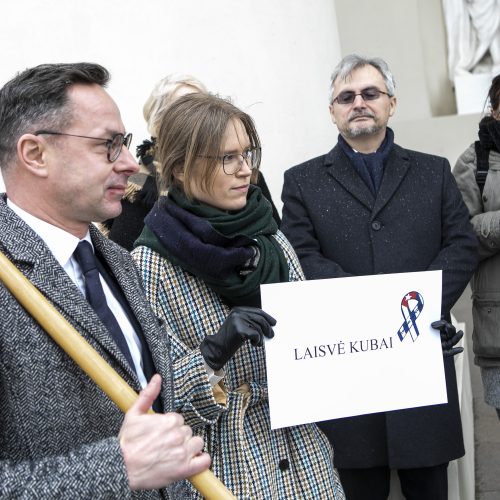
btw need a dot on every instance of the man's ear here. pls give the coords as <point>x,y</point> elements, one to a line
<point>32,154</point>
<point>330,108</point>
<point>394,102</point>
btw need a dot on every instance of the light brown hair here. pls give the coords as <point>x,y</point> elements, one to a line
<point>193,129</point>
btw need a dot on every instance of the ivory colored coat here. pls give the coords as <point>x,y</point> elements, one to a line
<point>485,218</point>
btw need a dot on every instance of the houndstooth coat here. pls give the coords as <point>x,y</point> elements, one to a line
<point>253,461</point>
<point>58,431</point>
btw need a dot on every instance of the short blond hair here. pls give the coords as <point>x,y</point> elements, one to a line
<point>163,94</point>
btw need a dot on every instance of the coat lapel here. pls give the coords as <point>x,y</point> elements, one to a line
<point>395,171</point>
<point>338,166</point>
<point>124,271</point>
<point>30,255</point>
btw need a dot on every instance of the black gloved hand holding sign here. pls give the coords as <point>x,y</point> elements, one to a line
<point>449,337</point>
<point>242,323</point>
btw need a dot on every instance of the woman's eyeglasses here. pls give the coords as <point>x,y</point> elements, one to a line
<point>233,162</point>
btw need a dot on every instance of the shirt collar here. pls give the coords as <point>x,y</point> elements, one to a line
<point>61,243</point>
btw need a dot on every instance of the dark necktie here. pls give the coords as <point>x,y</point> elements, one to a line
<point>85,257</point>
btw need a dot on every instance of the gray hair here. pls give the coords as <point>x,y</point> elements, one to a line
<point>352,62</point>
<point>38,98</point>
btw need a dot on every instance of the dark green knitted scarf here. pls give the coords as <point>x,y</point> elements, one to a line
<point>219,247</point>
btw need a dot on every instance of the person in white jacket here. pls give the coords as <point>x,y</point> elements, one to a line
<point>477,173</point>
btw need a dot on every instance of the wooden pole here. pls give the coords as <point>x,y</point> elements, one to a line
<point>88,359</point>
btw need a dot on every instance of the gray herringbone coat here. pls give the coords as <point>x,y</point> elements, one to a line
<point>58,431</point>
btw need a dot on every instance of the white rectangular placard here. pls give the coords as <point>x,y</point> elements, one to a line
<point>351,346</point>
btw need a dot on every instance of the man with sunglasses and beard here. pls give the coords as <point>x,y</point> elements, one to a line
<point>370,207</point>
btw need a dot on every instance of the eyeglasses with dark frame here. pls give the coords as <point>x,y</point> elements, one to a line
<point>114,144</point>
<point>368,94</point>
<point>233,162</point>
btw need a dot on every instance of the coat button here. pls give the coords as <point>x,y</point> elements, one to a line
<point>284,464</point>
<point>485,198</point>
<point>376,225</point>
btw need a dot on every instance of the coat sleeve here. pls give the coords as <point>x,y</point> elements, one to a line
<point>261,182</point>
<point>458,257</point>
<point>486,224</point>
<point>193,393</point>
<point>194,396</point>
<point>299,230</point>
<point>92,471</point>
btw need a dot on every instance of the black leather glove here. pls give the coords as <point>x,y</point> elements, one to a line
<point>241,324</point>
<point>449,337</point>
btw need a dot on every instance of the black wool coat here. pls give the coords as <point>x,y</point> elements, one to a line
<point>416,222</point>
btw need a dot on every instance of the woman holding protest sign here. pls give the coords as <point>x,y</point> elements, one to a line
<point>206,248</point>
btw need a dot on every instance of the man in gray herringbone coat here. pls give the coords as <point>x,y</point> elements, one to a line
<point>60,436</point>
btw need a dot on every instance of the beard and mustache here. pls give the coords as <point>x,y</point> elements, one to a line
<point>354,131</point>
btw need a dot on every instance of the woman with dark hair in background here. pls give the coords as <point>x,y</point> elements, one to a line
<point>477,173</point>
<point>206,248</point>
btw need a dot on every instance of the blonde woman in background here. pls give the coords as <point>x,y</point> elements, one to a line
<point>142,191</point>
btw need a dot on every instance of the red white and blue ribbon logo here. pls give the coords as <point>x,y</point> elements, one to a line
<point>411,306</point>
